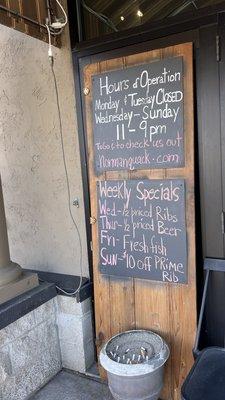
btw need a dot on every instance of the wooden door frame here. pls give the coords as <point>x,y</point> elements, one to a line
<point>152,39</point>
<point>79,62</point>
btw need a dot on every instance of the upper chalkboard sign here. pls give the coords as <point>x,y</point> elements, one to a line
<point>138,117</point>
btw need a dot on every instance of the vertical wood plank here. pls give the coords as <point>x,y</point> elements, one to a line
<point>183,299</point>
<point>5,18</point>
<point>14,5</point>
<point>101,283</point>
<point>210,143</point>
<point>17,23</point>
<point>41,16</point>
<point>41,11</point>
<point>118,312</point>
<point>122,312</point>
<point>30,9</point>
<point>151,301</point>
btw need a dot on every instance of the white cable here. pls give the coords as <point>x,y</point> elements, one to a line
<point>50,55</point>
<point>68,188</point>
<point>54,32</point>
<point>63,24</point>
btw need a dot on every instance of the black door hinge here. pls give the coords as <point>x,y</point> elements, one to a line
<point>218,55</point>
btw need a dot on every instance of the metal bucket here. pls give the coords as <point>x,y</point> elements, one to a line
<point>134,361</point>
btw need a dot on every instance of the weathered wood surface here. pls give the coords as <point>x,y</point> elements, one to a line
<point>122,304</point>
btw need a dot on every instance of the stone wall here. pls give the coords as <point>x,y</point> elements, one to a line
<point>35,347</point>
<point>75,333</point>
<point>29,353</point>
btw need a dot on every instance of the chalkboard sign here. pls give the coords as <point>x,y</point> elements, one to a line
<point>142,230</point>
<point>138,117</point>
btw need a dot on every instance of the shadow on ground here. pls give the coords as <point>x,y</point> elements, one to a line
<point>67,386</point>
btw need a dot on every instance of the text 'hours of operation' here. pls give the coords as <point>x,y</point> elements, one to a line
<point>138,117</point>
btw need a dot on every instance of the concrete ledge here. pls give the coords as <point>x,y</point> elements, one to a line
<point>69,283</point>
<point>26,282</point>
<point>25,303</point>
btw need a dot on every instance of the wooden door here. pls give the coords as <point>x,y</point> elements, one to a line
<point>130,303</point>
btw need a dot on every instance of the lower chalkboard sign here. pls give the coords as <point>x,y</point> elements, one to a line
<point>142,229</point>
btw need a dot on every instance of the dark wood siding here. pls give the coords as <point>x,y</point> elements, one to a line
<point>211,159</point>
<point>33,9</point>
<point>208,100</point>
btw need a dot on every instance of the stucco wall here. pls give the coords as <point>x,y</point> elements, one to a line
<point>41,234</point>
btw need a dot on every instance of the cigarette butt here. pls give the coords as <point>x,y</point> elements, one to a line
<point>143,348</point>
<point>139,358</point>
<point>117,348</point>
<point>127,350</point>
<point>128,361</point>
<point>118,359</point>
<point>133,357</point>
